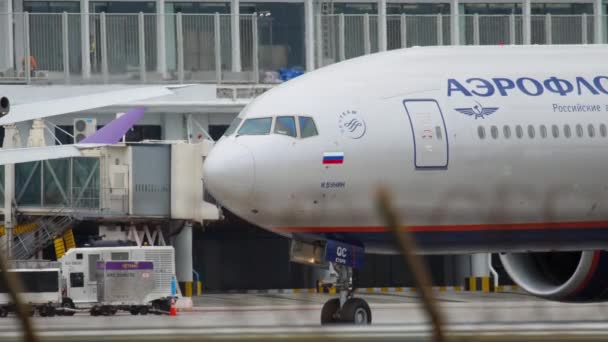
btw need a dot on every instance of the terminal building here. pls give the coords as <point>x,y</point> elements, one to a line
<point>227,53</point>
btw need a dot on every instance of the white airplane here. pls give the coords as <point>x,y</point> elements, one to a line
<point>109,134</point>
<point>498,149</point>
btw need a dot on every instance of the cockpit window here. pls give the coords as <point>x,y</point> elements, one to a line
<point>256,126</point>
<point>307,127</point>
<point>233,126</point>
<point>285,125</point>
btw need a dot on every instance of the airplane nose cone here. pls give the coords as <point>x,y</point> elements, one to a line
<point>228,174</point>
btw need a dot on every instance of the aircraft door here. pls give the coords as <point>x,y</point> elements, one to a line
<point>431,147</point>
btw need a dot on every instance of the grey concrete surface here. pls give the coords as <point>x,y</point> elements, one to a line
<point>394,314</point>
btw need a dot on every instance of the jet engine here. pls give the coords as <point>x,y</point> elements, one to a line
<point>5,106</point>
<point>561,276</point>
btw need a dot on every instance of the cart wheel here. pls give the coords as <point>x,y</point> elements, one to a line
<point>50,311</point>
<point>3,312</point>
<point>143,310</point>
<point>113,311</point>
<point>133,310</point>
<point>68,303</point>
<point>95,311</point>
<point>106,310</point>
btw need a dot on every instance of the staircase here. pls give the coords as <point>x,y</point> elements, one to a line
<point>31,241</point>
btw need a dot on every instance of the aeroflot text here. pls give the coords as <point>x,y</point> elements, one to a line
<point>597,85</point>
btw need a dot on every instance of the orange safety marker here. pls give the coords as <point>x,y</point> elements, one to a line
<point>173,309</point>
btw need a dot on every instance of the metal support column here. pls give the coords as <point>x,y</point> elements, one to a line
<point>179,32</point>
<point>319,39</point>
<point>454,22</point>
<point>367,44</point>
<point>548,29</point>
<point>183,254</point>
<point>341,37</point>
<point>403,26</point>
<point>85,43</point>
<point>217,48</point>
<point>598,22</point>
<point>141,38</point>
<point>66,48</point>
<point>6,21</point>
<point>475,29</point>
<point>12,139</point>
<point>255,61</point>
<point>104,48</point>
<point>439,29</point>
<point>584,23</point>
<point>527,25</point>
<point>27,53</point>
<point>382,39</point>
<point>161,48</point>
<point>309,34</point>
<point>512,40</point>
<point>235,29</point>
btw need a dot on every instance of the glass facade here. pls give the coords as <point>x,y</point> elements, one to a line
<point>487,9</point>
<point>419,9</point>
<point>57,183</point>
<point>122,7</point>
<point>197,7</point>
<point>51,6</point>
<point>280,34</point>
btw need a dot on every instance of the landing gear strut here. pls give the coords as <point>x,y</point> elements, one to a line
<point>345,309</point>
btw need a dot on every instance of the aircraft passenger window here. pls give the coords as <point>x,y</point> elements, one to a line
<point>481,132</point>
<point>506,130</point>
<point>233,126</point>
<point>519,131</point>
<point>285,125</point>
<point>438,132</point>
<point>543,131</point>
<point>567,131</point>
<point>531,131</point>
<point>603,130</point>
<point>256,126</point>
<point>555,131</point>
<point>307,127</point>
<point>579,131</point>
<point>494,132</point>
<point>591,130</point>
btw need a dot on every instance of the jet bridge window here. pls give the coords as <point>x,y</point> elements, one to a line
<point>285,125</point>
<point>307,127</point>
<point>258,126</point>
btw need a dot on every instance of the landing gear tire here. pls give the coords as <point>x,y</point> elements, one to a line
<point>134,310</point>
<point>356,311</point>
<point>143,310</point>
<point>329,311</point>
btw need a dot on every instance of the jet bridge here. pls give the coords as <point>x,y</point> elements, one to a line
<point>147,181</point>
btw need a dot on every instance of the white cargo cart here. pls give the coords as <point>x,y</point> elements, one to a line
<point>41,288</point>
<point>124,285</point>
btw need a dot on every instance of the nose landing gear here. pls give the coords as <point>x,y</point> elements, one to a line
<point>346,309</point>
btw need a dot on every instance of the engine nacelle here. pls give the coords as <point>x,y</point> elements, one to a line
<point>561,276</point>
<point>5,106</point>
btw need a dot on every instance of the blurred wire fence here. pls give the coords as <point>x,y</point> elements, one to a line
<point>176,48</point>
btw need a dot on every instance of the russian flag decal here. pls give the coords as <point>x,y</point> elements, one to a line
<point>333,157</point>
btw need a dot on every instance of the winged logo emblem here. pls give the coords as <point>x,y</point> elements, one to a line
<point>478,111</point>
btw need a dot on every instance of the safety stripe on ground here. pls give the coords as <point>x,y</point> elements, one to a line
<point>500,288</point>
